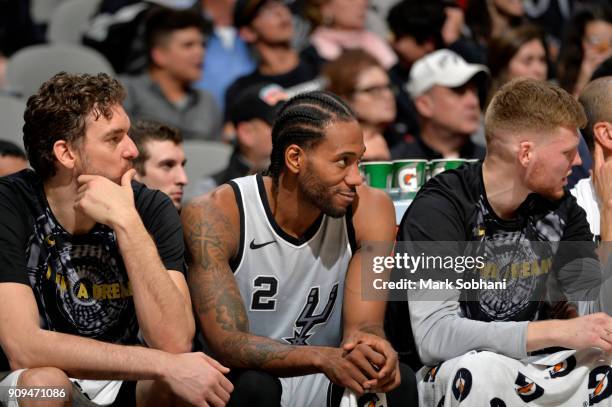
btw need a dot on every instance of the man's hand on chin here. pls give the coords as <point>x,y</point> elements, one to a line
<point>104,201</point>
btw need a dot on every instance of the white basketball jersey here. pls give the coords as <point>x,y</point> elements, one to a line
<point>292,288</point>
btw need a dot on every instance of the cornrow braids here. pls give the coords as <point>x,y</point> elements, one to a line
<point>302,121</point>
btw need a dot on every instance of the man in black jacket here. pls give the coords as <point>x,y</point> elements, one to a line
<point>252,114</point>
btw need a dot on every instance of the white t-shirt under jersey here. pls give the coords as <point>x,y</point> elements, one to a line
<point>587,199</point>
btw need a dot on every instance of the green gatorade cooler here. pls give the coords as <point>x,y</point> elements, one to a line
<point>409,175</point>
<point>377,174</point>
<point>441,165</point>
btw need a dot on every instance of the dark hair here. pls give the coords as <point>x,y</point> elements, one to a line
<point>343,72</point>
<point>312,12</point>
<point>422,20</point>
<point>59,111</point>
<point>478,19</point>
<point>502,49</point>
<point>161,22</point>
<point>146,130</point>
<point>8,148</point>
<point>571,53</point>
<point>302,121</point>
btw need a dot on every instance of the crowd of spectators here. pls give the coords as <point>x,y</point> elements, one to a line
<point>185,63</point>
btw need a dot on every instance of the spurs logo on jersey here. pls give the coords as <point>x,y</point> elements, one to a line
<point>293,289</point>
<point>599,384</point>
<point>308,319</point>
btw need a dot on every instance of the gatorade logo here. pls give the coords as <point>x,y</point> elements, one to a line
<point>408,179</point>
<point>563,368</point>
<point>527,389</point>
<point>599,384</point>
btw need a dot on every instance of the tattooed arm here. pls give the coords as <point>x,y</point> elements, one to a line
<point>212,232</point>
<point>364,335</point>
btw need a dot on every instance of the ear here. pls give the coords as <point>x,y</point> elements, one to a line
<point>429,45</point>
<point>64,154</point>
<point>294,159</point>
<point>525,153</point>
<point>158,56</point>
<point>424,105</point>
<point>602,132</point>
<point>247,34</point>
<point>244,134</point>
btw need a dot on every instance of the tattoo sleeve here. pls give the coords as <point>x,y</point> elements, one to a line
<point>215,295</point>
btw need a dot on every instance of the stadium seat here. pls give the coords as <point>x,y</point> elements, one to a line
<point>28,68</point>
<point>205,157</point>
<point>11,117</point>
<point>67,22</point>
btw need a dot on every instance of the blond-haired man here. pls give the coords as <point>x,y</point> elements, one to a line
<point>478,345</point>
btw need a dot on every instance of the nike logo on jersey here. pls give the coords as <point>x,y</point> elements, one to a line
<point>255,246</point>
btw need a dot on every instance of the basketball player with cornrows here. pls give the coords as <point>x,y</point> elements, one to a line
<point>275,273</point>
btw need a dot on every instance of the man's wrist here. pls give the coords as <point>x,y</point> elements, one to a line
<point>357,334</point>
<point>543,334</point>
<point>605,220</point>
<point>376,330</point>
<point>317,359</point>
<point>127,222</point>
<point>162,365</point>
<point>606,204</point>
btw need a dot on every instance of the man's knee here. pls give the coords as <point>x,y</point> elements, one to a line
<point>49,377</point>
<point>486,364</point>
<point>156,393</point>
<point>44,377</point>
<point>255,388</point>
<point>478,367</point>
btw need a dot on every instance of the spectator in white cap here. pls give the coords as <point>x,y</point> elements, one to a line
<point>444,89</point>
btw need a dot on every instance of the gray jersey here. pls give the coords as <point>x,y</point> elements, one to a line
<point>292,288</point>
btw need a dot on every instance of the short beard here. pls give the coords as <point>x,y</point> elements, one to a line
<point>85,168</point>
<point>316,194</point>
